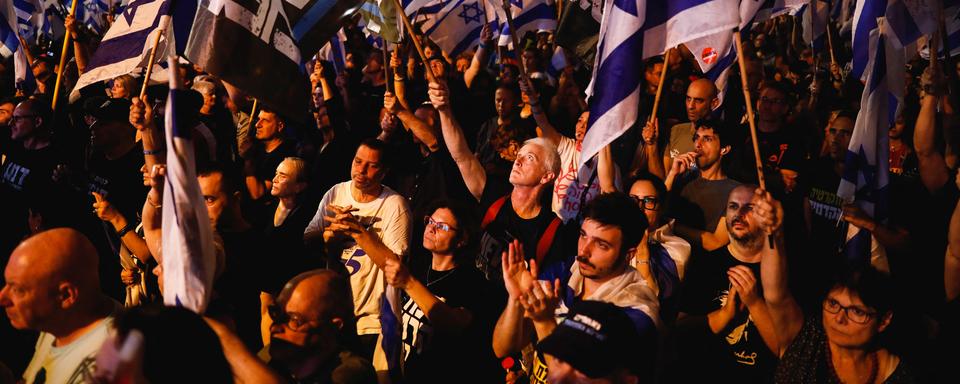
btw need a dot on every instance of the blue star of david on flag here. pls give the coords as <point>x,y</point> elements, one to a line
<point>470,13</point>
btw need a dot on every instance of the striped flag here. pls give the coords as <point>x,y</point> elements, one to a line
<point>558,62</point>
<point>866,174</point>
<point>864,23</point>
<point>10,46</point>
<point>632,27</point>
<point>188,261</point>
<point>126,46</point>
<point>249,51</point>
<point>814,18</point>
<point>335,52</point>
<point>910,19</point>
<point>9,43</point>
<point>27,16</point>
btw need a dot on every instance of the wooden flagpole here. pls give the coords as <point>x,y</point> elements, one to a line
<point>386,66</point>
<point>63,59</point>
<point>513,37</point>
<point>663,76</point>
<point>253,112</point>
<point>833,60</point>
<point>750,116</point>
<point>150,62</point>
<point>416,42</point>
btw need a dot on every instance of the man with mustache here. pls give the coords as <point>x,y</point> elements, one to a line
<point>724,327</point>
<point>612,229</point>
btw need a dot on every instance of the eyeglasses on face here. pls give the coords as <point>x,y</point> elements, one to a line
<point>855,314</point>
<point>647,202</point>
<point>429,221</point>
<point>292,321</point>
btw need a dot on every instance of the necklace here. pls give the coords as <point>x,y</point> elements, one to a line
<point>430,268</point>
<point>874,366</point>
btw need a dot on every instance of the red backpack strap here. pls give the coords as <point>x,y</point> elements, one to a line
<point>492,212</point>
<point>543,246</point>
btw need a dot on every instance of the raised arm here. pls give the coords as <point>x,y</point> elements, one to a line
<point>512,331</point>
<point>934,173</point>
<point>79,43</point>
<point>480,57</point>
<point>606,171</point>
<point>951,264</point>
<point>397,274</point>
<point>474,176</point>
<point>783,309</point>
<point>418,127</point>
<point>547,130</point>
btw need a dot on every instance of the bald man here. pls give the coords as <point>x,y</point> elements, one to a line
<point>701,100</point>
<point>52,286</point>
<point>313,327</point>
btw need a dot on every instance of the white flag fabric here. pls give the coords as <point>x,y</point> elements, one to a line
<point>457,27</point>
<point>189,262</point>
<point>126,46</point>
<point>866,175</point>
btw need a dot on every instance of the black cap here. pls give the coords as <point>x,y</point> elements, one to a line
<point>596,338</point>
<point>113,110</point>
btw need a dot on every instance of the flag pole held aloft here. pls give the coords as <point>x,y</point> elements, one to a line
<point>663,75</point>
<point>513,37</point>
<point>150,62</point>
<point>416,43</point>
<point>63,60</point>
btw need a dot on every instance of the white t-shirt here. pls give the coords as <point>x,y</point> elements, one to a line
<point>567,192</point>
<point>72,363</point>
<point>390,219</point>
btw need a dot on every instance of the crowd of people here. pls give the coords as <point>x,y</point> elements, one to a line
<point>412,228</point>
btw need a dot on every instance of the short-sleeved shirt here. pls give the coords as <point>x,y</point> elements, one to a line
<point>568,191</point>
<point>433,355</point>
<point>387,217</point>
<point>681,139</point>
<point>701,202</point>
<point>825,207</point>
<point>72,363</point>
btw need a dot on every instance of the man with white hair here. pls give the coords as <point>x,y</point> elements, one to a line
<point>522,213</point>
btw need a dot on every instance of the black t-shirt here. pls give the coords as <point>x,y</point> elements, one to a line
<point>738,352</point>
<point>433,355</point>
<point>507,226</point>
<point>778,150</point>
<point>267,162</point>
<point>438,177</point>
<point>289,256</point>
<point>241,282</point>
<point>826,226</point>
<point>25,183</point>
<point>119,181</point>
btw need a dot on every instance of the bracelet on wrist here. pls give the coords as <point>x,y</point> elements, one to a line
<point>153,152</point>
<point>123,231</point>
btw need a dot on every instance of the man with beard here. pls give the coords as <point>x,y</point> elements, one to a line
<point>724,327</point>
<point>313,331</point>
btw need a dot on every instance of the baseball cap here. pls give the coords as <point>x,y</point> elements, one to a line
<point>596,338</point>
<point>112,110</point>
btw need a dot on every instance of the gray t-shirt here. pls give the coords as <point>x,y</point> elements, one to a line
<point>701,203</point>
<point>681,139</point>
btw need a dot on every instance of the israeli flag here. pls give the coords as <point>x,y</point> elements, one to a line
<point>188,262</point>
<point>458,26</point>
<point>864,23</point>
<point>335,52</point>
<point>558,62</point>
<point>27,16</point>
<point>813,18</point>
<point>866,174</point>
<point>910,19</point>
<point>126,46</point>
<point>631,31</point>
<point>9,42</point>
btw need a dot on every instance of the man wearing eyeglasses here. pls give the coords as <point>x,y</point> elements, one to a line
<point>26,171</point>
<point>312,330</point>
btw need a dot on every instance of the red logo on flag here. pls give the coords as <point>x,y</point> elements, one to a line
<point>709,55</point>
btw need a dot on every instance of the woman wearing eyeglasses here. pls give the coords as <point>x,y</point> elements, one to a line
<point>844,342</point>
<point>447,313</point>
<point>661,263</point>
